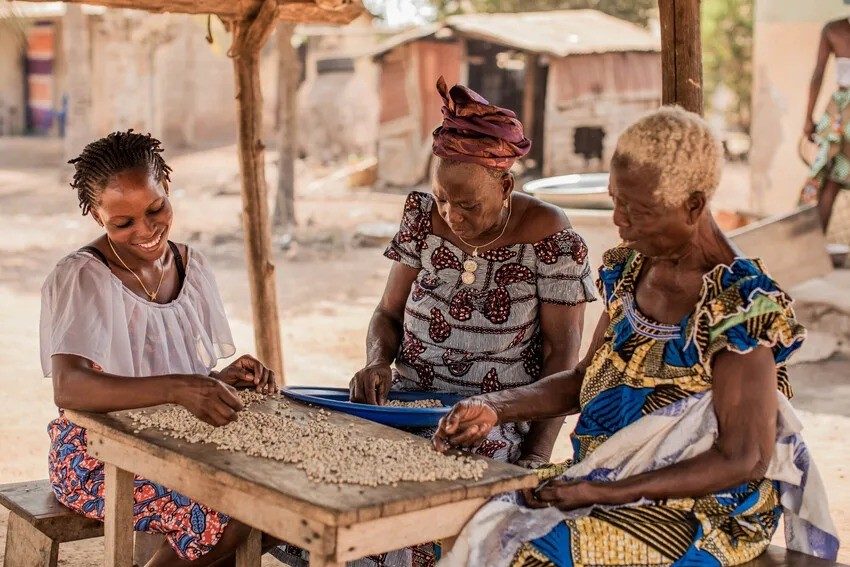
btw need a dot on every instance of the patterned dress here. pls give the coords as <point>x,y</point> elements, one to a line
<point>87,311</point>
<point>644,366</point>
<point>469,339</point>
<point>483,337</point>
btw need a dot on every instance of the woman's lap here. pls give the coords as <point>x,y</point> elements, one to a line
<point>78,482</point>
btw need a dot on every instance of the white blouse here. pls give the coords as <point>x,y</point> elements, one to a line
<point>87,311</point>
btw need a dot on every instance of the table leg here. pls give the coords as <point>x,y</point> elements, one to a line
<point>317,560</point>
<point>118,517</point>
<point>446,545</point>
<point>249,553</point>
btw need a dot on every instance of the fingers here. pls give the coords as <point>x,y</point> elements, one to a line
<point>383,388</point>
<point>531,499</point>
<point>353,390</point>
<point>370,389</point>
<point>469,435</point>
<point>229,396</point>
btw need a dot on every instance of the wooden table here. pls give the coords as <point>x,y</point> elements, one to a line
<point>335,523</point>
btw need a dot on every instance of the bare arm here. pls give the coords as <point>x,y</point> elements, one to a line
<point>745,404</point>
<point>824,49</point>
<point>77,385</point>
<point>558,395</point>
<point>372,384</point>
<point>561,327</point>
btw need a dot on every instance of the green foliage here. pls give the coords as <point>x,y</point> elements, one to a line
<point>637,11</point>
<point>727,46</point>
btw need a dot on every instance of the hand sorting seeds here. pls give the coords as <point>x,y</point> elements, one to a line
<point>326,452</point>
<point>429,403</point>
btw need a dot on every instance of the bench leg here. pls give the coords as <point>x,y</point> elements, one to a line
<point>248,554</point>
<point>317,561</point>
<point>25,545</point>
<point>118,517</point>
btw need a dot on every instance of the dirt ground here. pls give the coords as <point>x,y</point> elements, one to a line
<point>327,285</point>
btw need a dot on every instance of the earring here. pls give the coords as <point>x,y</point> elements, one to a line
<point>505,204</point>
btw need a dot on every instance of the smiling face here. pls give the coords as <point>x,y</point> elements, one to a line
<point>645,222</point>
<point>136,213</point>
<point>470,197</point>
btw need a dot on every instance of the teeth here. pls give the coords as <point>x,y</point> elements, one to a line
<point>152,244</point>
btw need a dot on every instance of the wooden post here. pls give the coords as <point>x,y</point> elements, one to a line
<point>529,95</point>
<point>75,43</point>
<point>249,35</point>
<point>250,552</point>
<point>288,71</point>
<point>118,517</point>
<point>681,54</point>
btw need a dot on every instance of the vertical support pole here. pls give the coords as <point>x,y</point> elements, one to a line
<point>529,95</point>
<point>118,517</point>
<point>75,43</point>
<point>248,38</point>
<point>288,71</point>
<point>250,552</point>
<point>681,54</point>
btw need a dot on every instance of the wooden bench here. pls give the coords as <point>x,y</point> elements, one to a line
<point>776,556</point>
<point>38,523</point>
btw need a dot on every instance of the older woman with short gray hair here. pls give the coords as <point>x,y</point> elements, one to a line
<point>686,451</point>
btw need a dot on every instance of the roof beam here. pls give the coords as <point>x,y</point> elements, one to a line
<point>301,11</point>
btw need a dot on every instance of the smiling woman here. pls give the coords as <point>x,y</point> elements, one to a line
<point>134,320</point>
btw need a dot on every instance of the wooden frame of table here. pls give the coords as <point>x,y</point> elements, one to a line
<point>335,523</point>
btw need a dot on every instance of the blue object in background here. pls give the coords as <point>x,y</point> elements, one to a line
<point>337,399</point>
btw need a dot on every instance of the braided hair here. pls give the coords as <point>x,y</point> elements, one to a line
<point>117,152</point>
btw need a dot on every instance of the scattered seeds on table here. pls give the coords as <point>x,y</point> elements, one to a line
<point>326,452</point>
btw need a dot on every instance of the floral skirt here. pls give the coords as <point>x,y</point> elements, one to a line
<point>78,480</point>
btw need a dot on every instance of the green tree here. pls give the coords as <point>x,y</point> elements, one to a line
<point>637,11</point>
<point>727,46</point>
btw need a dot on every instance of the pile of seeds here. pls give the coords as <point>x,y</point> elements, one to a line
<point>326,452</point>
<point>414,404</point>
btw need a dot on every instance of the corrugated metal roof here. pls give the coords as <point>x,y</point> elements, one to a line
<point>406,36</point>
<point>559,32</point>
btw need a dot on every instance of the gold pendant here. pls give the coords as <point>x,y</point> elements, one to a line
<point>468,278</point>
<point>470,266</point>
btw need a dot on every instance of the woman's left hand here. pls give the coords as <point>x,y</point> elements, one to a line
<point>248,372</point>
<point>564,494</point>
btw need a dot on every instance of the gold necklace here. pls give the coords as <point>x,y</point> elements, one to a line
<point>153,295</point>
<point>470,265</point>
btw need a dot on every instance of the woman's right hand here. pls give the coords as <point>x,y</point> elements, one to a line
<point>371,385</point>
<point>209,400</point>
<point>467,425</point>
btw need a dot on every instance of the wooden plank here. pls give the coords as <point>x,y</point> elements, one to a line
<point>791,245</point>
<point>35,502</point>
<point>248,554</point>
<point>271,484</point>
<point>303,11</point>
<point>118,517</point>
<point>412,528</point>
<point>681,54</point>
<point>248,37</point>
<point>25,545</point>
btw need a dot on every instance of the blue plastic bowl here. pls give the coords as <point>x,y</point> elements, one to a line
<point>337,399</point>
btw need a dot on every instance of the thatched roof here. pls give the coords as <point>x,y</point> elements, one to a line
<point>322,11</point>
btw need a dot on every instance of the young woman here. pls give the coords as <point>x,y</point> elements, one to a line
<point>134,320</point>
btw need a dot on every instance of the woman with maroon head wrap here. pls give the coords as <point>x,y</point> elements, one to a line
<point>488,286</point>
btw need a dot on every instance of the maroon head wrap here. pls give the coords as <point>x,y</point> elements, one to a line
<point>476,131</point>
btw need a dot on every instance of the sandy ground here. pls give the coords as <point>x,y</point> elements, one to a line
<point>328,288</point>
